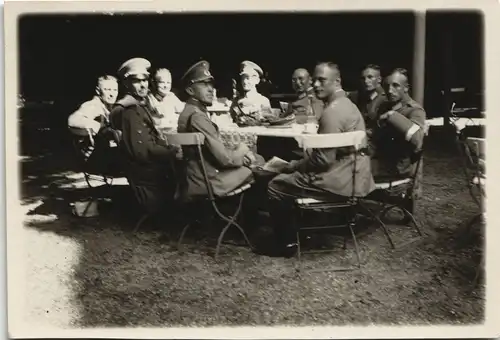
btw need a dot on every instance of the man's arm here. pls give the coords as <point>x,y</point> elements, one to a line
<point>226,158</point>
<point>319,160</point>
<point>411,126</point>
<point>139,143</point>
<point>85,117</point>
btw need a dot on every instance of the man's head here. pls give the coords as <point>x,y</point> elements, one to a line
<point>301,80</point>
<point>370,77</point>
<point>396,85</point>
<point>107,89</point>
<point>162,82</point>
<point>135,75</point>
<point>250,75</point>
<point>326,80</point>
<point>199,82</point>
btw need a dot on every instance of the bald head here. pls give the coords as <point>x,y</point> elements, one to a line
<point>301,80</point>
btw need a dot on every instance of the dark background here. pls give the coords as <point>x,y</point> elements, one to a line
<point>61,56</point>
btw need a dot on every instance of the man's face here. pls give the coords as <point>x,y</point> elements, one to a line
<point>138,85</point>
<point>301,81</point>
<point>202,91</point>
<point>324,81</point>
<point>396,87</point>
<point>163,83</point>
<point>107,90</point>
<point>249,81</point>
<point>370,79</point>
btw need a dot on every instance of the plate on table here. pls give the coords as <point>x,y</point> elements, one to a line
<point>283,121</point>
<point>288,126</point>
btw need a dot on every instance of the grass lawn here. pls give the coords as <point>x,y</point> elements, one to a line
<point>121,278</point>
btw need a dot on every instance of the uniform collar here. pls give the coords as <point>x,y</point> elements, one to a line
<point>197,103</point>
<point>406,100</point>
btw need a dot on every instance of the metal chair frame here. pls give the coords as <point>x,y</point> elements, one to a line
<point>474,181</point>
<point>398,194</point>
<point>196,139</point>
<point>80,134</point>
<point>351,203</point>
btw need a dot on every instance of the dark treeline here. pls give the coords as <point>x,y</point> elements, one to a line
<point>61,56</point>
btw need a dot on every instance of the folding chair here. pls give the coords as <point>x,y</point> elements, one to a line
<point>333,140</point>
<point>196,140</point>
<point>85,145</point>
<point>474,169</point>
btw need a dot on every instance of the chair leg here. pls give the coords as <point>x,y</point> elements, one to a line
<point>415,223</point>
<point>354,240</point>
<point>230,222</point>
<point>141,221</point>
<point>382,224</point>
<point>183,233</point>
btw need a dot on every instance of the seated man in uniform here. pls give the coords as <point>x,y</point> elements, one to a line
<point>370,97</point>
<point>400,131</point>
<point>250,106</point>
<point>227,169</point>
<point>326,173</point>
<point>165,104</point>
<point>306,103</point>
<point>93,115</point>
<point>148,160</point>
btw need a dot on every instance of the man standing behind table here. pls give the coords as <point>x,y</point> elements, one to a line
<point>165,104</point>
<point>326,173</point>
<point>148,160</point>
<point>306,104</point>
<point>227,169</point>
<point>400,132</point>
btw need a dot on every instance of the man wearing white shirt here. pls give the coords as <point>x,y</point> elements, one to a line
<point>166,105</point>
<point>93,114</point>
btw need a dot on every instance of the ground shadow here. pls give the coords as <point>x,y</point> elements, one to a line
<point>138,279</point>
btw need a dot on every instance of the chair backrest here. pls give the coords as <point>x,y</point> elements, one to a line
<point>185,139</point>
<point>333,140</point>
<point>193,139</point>
<point>477,145</point>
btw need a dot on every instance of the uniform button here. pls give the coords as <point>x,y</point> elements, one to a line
<point>139,131</point>
<point>140,142</point>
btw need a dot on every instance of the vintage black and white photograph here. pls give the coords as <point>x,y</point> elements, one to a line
<point>250,168</point>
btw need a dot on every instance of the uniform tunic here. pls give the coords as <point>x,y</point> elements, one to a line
<point>249,109</point>
<point>147,159</point>
<point>224,166</point>
<point>305,105</point>
<point>325,173</point>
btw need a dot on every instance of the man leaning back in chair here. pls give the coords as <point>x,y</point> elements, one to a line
<point>323,173</point>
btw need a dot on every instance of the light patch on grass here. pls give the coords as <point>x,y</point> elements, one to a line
<point>49,269</point>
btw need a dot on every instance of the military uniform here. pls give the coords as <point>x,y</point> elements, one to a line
<point>369,104</point>
<point>305,105</point>
<point>397,139</point>
<point>325,173</point>
<point>147,159</point>
<point>249,108</point>
<point>397,142</point>
<point>224,166</point>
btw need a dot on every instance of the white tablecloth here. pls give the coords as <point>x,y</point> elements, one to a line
<point>460,123</point>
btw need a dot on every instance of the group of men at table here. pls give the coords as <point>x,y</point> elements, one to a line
<point>393,121</point>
